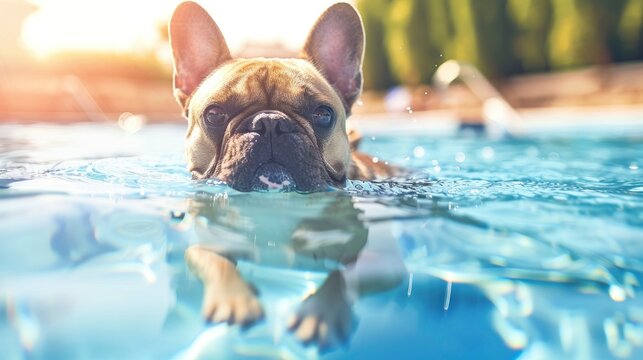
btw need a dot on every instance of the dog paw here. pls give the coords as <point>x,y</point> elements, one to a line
<point>238,305</point>
<point>226,297</point>
<point>325,317</point>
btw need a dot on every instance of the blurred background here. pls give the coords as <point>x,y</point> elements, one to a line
<point>79,60</point>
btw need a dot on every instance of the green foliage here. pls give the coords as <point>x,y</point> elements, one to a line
<point>629,31</point>
<point>408,39</point>
<point>531,22</point>
<point>579,32</point>
<point>481,34</point>
<point>376,63</point>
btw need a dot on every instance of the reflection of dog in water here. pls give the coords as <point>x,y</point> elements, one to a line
<point>303,232</point>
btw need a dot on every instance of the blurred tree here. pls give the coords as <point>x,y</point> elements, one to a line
<point>405,38</point>
<point>629,31</point>
<point>407,42</point>
<point>608,15</point>
<point>439,27</point>
<point>376,60</point>
<point>464,42</point>
<point>494,30</point>
<point>531,23</point>
<point>579,33</point>
<point>482,35</point>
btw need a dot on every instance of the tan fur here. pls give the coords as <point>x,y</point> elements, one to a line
<point>280,95</point>
<point>265,84</point>
<point>329,73</point>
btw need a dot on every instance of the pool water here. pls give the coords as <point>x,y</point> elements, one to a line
<point>526,248</point>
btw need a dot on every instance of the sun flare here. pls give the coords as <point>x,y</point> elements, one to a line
<point>131,26</point>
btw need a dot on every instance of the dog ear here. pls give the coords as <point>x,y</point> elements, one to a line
<point>198,47</point>
<point>335,45</point>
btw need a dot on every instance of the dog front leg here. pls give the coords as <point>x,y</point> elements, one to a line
<point>227,297</point>
<point>325,317</point>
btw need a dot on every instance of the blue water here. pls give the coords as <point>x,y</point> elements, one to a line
<point>526,248</point>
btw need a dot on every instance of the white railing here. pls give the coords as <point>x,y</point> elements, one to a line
<point>500,118</point>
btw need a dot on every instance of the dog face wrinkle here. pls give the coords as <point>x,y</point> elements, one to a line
<point>246,87</point>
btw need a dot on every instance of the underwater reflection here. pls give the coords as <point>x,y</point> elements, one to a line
<point>315,236</point>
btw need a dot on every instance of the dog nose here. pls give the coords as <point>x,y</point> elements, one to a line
<point>271,122</point>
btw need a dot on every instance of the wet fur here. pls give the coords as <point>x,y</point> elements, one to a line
<point>248,86</point>
<point>328,73</point>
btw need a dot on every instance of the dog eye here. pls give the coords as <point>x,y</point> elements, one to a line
<point>323,116</point>
<point>215,116</point>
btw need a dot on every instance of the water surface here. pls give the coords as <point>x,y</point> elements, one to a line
<point>525,248</point>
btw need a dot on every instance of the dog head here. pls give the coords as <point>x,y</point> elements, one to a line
<point>268,123</point>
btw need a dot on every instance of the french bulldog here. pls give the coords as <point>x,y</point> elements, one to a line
<point>261,123</point>
<point>271,123</point>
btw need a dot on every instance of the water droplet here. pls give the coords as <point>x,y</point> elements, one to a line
<point>426,93</point>
<point>532,151</point>
<point>617,293</point>
<point>376,160</point>
<point>131,123</point>
<point>409,110</point>
<point>418,152</point>
<point>460,157</point>
<point>487,153</point>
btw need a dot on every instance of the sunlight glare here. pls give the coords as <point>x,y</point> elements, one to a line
<point>77,25</point>
<point>129,26</point>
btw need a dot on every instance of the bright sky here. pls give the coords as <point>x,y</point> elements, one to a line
<point>128,25</point>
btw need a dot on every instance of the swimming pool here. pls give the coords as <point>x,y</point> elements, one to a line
<point>526,248</point>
